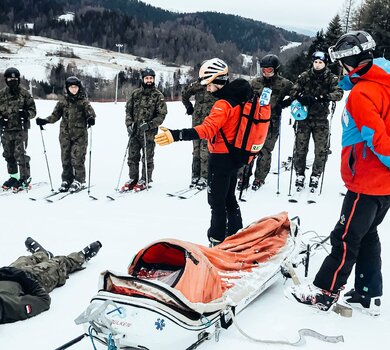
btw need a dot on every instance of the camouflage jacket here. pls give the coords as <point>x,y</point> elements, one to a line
<point>281,88</point>
<point>204,100</point>
<point>12,104</point>
<point>19,289</point>
<point>146,105</point>
<point>313,84</point>
<point>74,111</point>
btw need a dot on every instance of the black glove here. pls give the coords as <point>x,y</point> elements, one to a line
<point>285,103</point>
<point>3,123</point>
<point>90,121</point>
<point>306,100</point>
<point>23,115</point>
<point>41,121</point>
<point>143,127</point>
<point>323,98</point>
<point>190,109</point>
<point>130,129</point>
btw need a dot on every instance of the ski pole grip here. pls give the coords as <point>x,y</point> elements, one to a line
<point>41,127</point>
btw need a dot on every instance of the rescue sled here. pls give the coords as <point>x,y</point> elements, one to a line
<point>177,294</point>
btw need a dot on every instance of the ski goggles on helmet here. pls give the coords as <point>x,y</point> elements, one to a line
<point>355,50</point>
<point>319,55</point>
<point>268,70</point>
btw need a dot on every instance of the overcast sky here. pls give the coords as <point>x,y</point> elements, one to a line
<point>306,14</point>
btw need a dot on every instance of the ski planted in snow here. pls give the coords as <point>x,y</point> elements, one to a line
<point>180,192</point>
<point>56,197</point>
<point>24,190</point>
<point>312,196</point>
<point>295,197</point>
<point>189,194</point>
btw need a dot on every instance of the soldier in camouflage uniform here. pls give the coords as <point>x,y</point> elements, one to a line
<point>314,88</point>
<point>280,87</point>
<point>77,115</point>
<point>17,107</point>
<point>204,100</point>
<point>145,112</point>
<point>25,284</point>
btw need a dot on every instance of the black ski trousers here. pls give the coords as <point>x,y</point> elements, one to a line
<point>225,212</point>
<point>355,240</point>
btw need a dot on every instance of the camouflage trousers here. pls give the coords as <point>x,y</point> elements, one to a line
<point>50,273</point>
<point>14,146</point>
<point>263,163</point>
<point>320,131</point>
<point>200,156</point>
<point>136,145</point>
<point>73,150</point>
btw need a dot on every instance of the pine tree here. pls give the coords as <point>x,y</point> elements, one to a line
<point>334,31</point>
<point>347,14</point>
<point>375,19</point>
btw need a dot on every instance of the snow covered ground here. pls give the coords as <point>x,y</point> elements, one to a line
<point>128,224</point>
<point>34,56</point>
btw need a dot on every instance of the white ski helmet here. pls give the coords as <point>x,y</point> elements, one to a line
<point>214,71</point>
<point>352,48</point>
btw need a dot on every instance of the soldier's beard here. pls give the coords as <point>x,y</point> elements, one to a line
<point>148,85</point>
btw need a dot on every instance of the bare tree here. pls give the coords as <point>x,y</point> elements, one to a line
<point>346,14</point>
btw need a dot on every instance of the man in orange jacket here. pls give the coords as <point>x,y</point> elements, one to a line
<point>222,174</point>
<point>365,169</point>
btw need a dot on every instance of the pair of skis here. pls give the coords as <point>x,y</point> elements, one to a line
<point>32,186</point>
<point>186,193</point>
<point>56,196</point>
<point>311,198</point>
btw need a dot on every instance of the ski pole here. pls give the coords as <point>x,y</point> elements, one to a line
<point>295,126</point>
<point>279,142</point>
<point>90,160</point>
<point>72,342</point>
<point>246,174</point>
<point>123,163</point>
<point>44,152</point>
<point>146,164</point>
<point>328,143</point>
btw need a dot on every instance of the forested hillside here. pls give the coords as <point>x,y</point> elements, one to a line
<point>145,30</point>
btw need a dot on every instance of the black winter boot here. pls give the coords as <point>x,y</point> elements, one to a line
<point>34,247</point>
<point>91,250</point>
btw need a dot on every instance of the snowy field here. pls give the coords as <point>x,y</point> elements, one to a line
<point>128,224</point>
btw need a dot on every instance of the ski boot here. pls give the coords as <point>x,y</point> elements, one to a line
<point>194,182</point>
<point>313,184</point>
<point>202,184</point>
<point>21,185</point>
<point>313,296</point>
<point>34,247</point>
<point>91,250</point>
<point>300,183</point>
<point>64,186</point>
<point>128,186</point>
<point>140,186</point>
<point>213,242</point>
<point>367,305</point>
<point>286,165</point>
<point>257,184</point>
<point>10,183</point>
<point>76,186</point>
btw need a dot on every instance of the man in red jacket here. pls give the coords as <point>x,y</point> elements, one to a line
<point>365,169</point>
<point>222,174</point>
